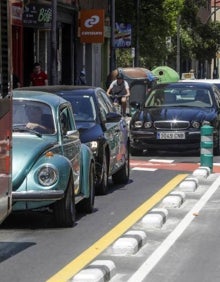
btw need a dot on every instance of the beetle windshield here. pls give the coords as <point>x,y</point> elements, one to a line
<point>33,115</point>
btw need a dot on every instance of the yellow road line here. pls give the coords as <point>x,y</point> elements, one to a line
<point>99,246</point>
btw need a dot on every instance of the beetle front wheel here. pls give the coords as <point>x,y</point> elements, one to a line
<point>64,209</point>
<point>87,204</point>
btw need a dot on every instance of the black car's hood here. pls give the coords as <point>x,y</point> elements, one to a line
<point>89,131</point>
<point>180,113</point>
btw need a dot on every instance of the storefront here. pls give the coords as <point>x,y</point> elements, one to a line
<point>39,30</point>
<point>17,39</point>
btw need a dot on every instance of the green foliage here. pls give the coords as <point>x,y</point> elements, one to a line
<point>123,57</point>
<point>158,22</point>
<point>208,41</point>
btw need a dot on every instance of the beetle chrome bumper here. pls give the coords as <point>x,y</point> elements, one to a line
<point>37,195</point>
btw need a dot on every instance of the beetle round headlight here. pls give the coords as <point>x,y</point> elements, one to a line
<point>148,124</point>
<point>195,124</point>
<point>47,175</point>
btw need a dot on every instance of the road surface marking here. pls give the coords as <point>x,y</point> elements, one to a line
<point>170,165</point>
<point>155,257</point>
<point>144,169</point>
<point>99,246</point>
<point>161,161</point>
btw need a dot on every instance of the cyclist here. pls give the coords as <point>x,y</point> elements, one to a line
<point>119,88</point>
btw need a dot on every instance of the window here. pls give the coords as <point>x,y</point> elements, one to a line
<point>65,121</point>
<point>25,111</point>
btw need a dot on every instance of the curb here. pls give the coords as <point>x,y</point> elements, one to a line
<point>190,184</point>
<point>97,271</point>
<point>202,172</point>
<point>132,241</point>
<point>174,200</point>
<point>155,218</point>
<point>129,243</point>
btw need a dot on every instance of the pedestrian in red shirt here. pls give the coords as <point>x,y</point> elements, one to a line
<point>38,77</point>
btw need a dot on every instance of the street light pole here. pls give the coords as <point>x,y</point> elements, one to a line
<point>178,46</point>
<point>53,58</point>
<point>112,44</point>
<point>137,48</point>
<point>215,68</point>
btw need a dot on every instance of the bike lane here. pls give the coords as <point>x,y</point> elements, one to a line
<point>195,255</point>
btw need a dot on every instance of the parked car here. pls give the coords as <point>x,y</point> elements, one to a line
<point>212,81</point>
<point>173,115</point>
<point>102,129</point>
<point>51,168</point>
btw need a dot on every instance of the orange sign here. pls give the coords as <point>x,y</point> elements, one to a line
<point>92,26</point>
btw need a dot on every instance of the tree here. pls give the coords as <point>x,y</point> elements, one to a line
<point>158,23</point>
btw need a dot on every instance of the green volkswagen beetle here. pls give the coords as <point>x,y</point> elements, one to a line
<point>50,166</point>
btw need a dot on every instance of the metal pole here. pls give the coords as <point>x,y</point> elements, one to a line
<point>133,56</point>
<point>137,49</point>
<point>53,59</point>
<point>178,46</point>
<point>112,47</point>
<point>84,57</point>
<point>215,65</point>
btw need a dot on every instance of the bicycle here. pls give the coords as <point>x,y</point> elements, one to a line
<point>116,102</point>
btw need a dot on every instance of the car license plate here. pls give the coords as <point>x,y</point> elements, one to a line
<point>171,135</point>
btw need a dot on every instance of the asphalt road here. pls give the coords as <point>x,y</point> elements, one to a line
<point>32,249</point>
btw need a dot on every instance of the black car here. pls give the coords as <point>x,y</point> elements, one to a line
<point>102,129</point>
<point>172,117</point>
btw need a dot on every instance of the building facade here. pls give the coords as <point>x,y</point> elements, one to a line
<point>49,32</point>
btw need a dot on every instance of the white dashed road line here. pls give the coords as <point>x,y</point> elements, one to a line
<point>144,169</point>
<point>161,161</point>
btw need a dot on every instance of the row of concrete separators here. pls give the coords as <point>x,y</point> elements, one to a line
<point>133,240</point>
